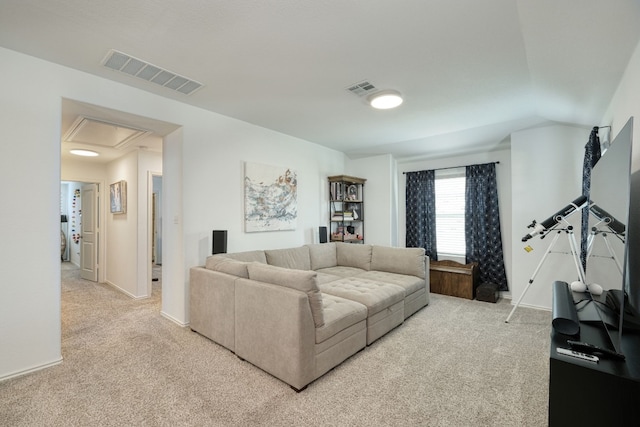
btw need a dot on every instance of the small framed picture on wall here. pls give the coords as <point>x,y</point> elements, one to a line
<point>118,197</point>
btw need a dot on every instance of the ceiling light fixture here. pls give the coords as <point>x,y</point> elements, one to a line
<point>85,153</point>
<point>385,99</point>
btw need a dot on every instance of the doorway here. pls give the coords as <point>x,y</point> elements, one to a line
<point>79,227</point>
<point>155,229</point>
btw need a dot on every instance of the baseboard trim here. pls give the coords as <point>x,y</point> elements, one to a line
<point>127,293</point>
<point>174,320</point>
<point>537,307</point>
<point>30,370</point>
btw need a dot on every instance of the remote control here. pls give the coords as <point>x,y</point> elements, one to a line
<point>593,349</point>
<point>577,354</point>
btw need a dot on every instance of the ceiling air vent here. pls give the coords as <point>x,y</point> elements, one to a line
<point>362,88</point>
<point>127,64</point>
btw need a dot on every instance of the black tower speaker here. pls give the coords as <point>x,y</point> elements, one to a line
<point>219,242</point>
<point>323,234</point>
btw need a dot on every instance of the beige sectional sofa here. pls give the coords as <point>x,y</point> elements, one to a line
<point>297,313</point>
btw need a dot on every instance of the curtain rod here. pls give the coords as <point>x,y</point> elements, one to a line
<point>453,167</point>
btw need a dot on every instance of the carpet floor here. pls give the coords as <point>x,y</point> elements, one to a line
<point>454,363</point>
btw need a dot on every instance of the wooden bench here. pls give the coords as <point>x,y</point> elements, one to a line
<point>453,278</point>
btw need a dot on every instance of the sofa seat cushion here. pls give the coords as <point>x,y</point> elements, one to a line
<point>339,314</point>
<point>294,258</point>
<point>326,278</point>
<point>304,281</point>
<point>341,271</point>
<point>410,284</point>
<point>375,296</point>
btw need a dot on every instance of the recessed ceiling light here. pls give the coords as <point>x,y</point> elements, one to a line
<point>86,153</point>
<point>385,99</point>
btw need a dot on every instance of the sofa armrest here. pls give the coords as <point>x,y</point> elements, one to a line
<point>212,305</point>
<point>275,331</point>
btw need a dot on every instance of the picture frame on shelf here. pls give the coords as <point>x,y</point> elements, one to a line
<point>352,192</point>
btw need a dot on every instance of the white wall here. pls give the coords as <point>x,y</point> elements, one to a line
<point>503,178</point>
<point>546,176</point>
<point>127,235</point>
<point>626,103</point>
<point>121,229</point>
<point>380,207</point>
<point>202,171</point>
<point>30,271</point>
<point>174,277</point>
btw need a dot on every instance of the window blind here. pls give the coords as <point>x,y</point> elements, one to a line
<point>450,205</point>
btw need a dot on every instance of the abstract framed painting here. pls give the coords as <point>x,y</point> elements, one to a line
<point>270,198</point>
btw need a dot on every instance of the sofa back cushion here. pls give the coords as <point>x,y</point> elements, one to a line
<point>227,265</point>
<point>296,258</point>
<point>304,281</point>
<point>322,255</point>
<point>248,256</point>
<point>354,255</point>
<point>410,261</point>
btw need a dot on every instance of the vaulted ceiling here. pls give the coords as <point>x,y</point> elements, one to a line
<point>471,72</point>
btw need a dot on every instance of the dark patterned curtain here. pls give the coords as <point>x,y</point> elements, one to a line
<point>482,224</point>
<point>592,154</point>
<point>421,212</point>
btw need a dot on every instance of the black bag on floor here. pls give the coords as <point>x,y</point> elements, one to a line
<point>487,292</point>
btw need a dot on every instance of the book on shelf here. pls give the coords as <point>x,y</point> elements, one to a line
<point>337,191</point>
<point>342,216</point>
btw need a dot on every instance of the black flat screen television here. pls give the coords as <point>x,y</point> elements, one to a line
<point>613,259</point>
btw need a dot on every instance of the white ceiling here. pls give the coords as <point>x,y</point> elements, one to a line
<point>472,72</point>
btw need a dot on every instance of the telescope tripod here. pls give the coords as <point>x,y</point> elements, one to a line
<point>605,237</point>
<point>568,231</point>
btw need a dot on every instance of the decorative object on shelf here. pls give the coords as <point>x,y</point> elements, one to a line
<point>270,198</point>
<point>352,192</point>
<point>345,209</point>
<point>118,197</point>
<point>355,209</point>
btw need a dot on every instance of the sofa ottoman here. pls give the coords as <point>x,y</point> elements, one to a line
<point>384,302</point>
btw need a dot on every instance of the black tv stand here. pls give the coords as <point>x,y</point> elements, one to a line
<point>594,394</point>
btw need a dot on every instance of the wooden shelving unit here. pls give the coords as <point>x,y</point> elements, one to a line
<point>346,209</point>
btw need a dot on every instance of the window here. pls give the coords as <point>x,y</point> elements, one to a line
<point>450,204</point>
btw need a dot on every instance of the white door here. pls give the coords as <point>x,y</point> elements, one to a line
<point>89,233</point>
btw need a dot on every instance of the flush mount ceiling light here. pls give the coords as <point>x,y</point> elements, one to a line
<point>85,153</point>
<point>385,99</point>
